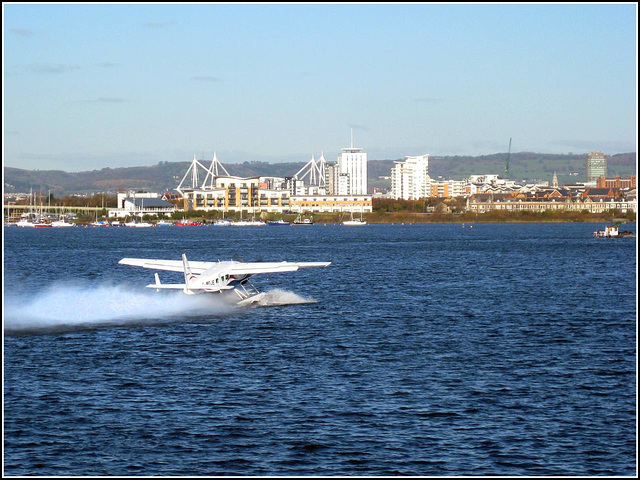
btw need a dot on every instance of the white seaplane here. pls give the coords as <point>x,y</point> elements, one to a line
<point>218,277</point>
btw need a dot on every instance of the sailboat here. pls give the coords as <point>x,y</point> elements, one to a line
<point>248,223</point>
<point>62,223</point>
<point>139,224</point>
<point>26,218</point>
<point>101,223</point>
<point>40,223</point>
<point>354,222</point>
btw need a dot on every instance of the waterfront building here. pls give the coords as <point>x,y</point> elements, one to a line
<point>228,193</point>
<point>273,201</point>
<point>141,203</point>
<point>331,203</point>
<point>484,202</point>
<point>596,166</point>
<point>616,182</point>
<point>410,178</point>
<point>352,162</point>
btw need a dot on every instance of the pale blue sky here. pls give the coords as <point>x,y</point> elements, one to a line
<point>93,86</point>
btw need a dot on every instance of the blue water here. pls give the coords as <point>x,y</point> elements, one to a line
<point>503,349</point>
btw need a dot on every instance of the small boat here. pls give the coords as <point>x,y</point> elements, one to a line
<point>138,224</point>
<point>187,223</point>
<point>354,222</point>
<point>612,231</point>
<point>25,223</point>
<point>302,221</point>
<point>248,223</point>
<point>223,222</point>
<point>278,222</point>
<point>62,224</point>
<point>163,223</point>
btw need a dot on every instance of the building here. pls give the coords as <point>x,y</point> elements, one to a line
<point>141,203</point>
<point>448,188</point>
<point>352,162</point>
<point>410,179</point>
<point>306,191</point>
<point>590,201</point>
<point>331,203</point>
<point>596,166</point>
<point>229,193</point>
<point>616,182</point>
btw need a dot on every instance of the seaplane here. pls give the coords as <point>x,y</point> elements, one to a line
<point>218,277</point>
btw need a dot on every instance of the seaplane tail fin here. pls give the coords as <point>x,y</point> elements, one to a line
<point>187,272</point>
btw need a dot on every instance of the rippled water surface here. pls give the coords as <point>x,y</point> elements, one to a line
<point>506,349</point>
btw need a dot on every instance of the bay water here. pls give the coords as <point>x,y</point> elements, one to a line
<point>433,349</point>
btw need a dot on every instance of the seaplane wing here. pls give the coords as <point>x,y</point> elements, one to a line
<point>168,265</point>
<point>255,268</point>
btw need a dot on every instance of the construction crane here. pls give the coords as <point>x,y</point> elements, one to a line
<point>506,167</point>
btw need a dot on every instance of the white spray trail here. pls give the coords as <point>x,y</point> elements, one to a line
<point>71,306</point>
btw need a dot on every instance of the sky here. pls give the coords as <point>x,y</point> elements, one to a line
<point>92,86</point>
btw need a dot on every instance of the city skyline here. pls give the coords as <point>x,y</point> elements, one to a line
<point>92,86</point>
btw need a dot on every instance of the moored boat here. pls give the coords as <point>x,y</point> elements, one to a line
<point>62,224</point>
<point>187,223</point>
<point>248,223</point>
<point>302,221</point>
<point>278,222</point>
<point>612,231</point>
<point>354,222</point>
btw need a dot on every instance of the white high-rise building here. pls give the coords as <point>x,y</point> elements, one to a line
<point>410,179</point>
<point>353,162</point>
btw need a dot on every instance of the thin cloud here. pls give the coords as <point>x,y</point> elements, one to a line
<point>106,64</point>
<point>205,78</point>
<point>23,32</point>
<point>44,68</point>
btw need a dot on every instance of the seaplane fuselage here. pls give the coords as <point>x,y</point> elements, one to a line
<point>216,277</point>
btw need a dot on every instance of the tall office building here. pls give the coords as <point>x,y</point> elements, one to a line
<point>596,166</point>
<point>353,162</point>
<point>410,179</point>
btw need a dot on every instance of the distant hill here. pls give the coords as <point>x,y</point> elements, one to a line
<point>166,175</point>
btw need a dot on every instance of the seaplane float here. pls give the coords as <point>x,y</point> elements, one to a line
<point>218,277</point>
